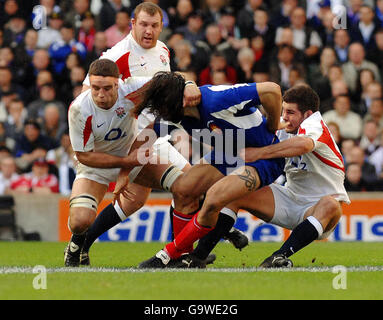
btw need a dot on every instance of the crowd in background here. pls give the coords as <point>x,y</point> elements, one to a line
<point>334,46</point>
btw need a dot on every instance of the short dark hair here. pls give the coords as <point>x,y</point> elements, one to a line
<point>104,68</point>
<point>163,96</point>
<point>304,96</point>
<point>150,8</point>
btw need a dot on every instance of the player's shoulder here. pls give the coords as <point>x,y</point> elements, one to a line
<point>81,103</point>
<point>314,120</point>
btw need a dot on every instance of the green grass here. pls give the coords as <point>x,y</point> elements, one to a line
<point>190,285</point>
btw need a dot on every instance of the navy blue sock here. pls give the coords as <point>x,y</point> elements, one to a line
<point>303,234</point>
<point>106,219</point>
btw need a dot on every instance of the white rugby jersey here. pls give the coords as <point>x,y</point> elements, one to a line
<point>319,172</point>
<point>110,131</point>
<point>135,61</point>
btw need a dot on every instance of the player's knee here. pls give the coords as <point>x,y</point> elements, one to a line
<point>214,200</point>
<point>80,220</point>
<point>183,192</point>
<point>82,212</point>
<point>333,208</point>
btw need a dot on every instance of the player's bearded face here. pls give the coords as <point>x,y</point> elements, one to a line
<point>292,115</point>
<point>104,91</point>
<point>146,29</point>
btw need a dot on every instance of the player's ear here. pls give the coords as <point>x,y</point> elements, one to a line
<point>307,114</point>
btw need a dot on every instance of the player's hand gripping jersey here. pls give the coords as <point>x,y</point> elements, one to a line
<point>320,172</point>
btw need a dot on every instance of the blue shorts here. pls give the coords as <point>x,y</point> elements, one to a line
<point>268,169</point>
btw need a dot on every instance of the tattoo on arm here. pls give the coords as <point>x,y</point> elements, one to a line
<point>250,180</point>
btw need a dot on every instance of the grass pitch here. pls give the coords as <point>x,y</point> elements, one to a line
<point>233,276</point>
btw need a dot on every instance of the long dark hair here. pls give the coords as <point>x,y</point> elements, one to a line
<point>163,96</point>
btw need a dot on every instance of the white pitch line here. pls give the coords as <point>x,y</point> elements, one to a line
<point>29,270</point>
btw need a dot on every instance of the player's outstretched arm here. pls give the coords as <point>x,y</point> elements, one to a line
<point>105,161</point>
<point>271,99</point>
<point>293,147</point>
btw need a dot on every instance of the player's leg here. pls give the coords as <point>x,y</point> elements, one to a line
<point>222,193</point>
<point>85,197</point>
<point>308,223</point>
<point>229,189</point>
<point>112,215</point>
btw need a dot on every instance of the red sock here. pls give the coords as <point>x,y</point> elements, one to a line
<point>186,238</point>
<point>180,220</point>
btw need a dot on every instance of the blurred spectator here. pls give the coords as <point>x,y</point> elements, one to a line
<point>318,75</point>
<point>280,71</point>
<point>372,91</point>
<point>11,7</point>
<point>39,180</point>
<point>364,31</point>
<point>6,139</point>
<point>358,156</point>
<point>354,180</point>
<point>100,45</point>
<point>376,158</point>
<point>263,28</point>
<point>218,62</point>
<point>50,6</point>
<point>60,50</point>
<point>8,174</point>
<point>286,38</point>
<point>213,43</point>
<point>282,13</point>
<point>318,15</point>
<point>375,55</point>
<point>5,152</point>
<point>341,44</point>
<point>193,30</point>
<point>108,13</point>
<point>246,65</point>
<point>357,61</point>
<point>77,12</point>
<point>375,113</point>
<point>51,33</point>
<point>335,132</point>
<point>63,158</point>
<point>346,146</point>
<point>30,42</point>
<point>349,122</point>
<point>14,30</point>
<point>183,58</point>
<point>179,15</point>
<point>261,58</point>
<point>365,78</point>
<point>245,16</point>
<point>228,24</point>
<point>87,30</point>
<point>31,145</point>
<point>52,127</point>
<point>5,100</point>
<point>36,108</point>
<point>16,118</point>
<point>119,30</point>
<point>8,85</point>
<point>212,10</point>
<point>305,38</point>
<point>353,12</point>
<point>41,61</point>
<point>379,12</point>
<point>370,139</point>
